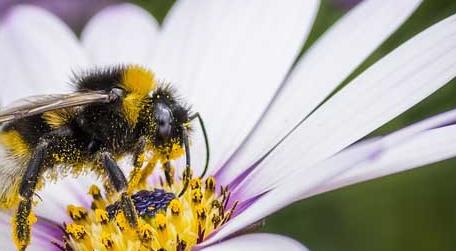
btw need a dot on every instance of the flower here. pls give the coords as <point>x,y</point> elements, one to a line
<point>272,142</point>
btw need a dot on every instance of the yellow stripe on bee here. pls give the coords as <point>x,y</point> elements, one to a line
<point>14,143</point>
<point>138,82</point>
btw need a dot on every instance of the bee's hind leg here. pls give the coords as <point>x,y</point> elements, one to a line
<point>23,219</point>
<point>120,184</point>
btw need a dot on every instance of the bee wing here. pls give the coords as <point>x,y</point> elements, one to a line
<point>40,104</point>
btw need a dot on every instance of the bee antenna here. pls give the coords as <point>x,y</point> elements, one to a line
<point>206,141</point>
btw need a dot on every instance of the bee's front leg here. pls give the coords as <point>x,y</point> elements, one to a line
<point>119,182</point>
<point>24,219</point>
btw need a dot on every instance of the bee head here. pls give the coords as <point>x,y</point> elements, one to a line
<point>169,117</point>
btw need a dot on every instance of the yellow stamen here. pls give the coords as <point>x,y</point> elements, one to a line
<point>195,184</point>
<point>107,240</point>
<point>95,192</point>
<point>175,207</point>
<point>210,184</point>
<point>76,213</point>
<point>78,232</point>
<point>101,216</point>
<point>160,222</point>
<point>197,196</point>
<point>164,222</point>
<point>146,232</point>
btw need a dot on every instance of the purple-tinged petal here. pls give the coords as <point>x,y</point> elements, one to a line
<point>316,175</point>
<point>38,53</point>
<point>321,69</point>
<point>437,121</point>
<point>121,34</point>
<point>405,149</point>
<point>228,58</point>
<point>393,85</point>
<point>432,146</point>
<point>257,242</point>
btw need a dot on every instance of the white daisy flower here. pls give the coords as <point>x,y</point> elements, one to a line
<point>274,137</point>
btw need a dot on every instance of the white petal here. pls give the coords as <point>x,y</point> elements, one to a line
<point>326,64</point>
<point>66,191</point>
<point>121,34</point>
<point>228,58</point>
<point>394,84</point>
<point>258,242</point>
<point>38,53</point>
<point>433,146</point>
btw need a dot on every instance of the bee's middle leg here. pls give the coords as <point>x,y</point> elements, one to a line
<point>22,221</point>
<point>120,184</point>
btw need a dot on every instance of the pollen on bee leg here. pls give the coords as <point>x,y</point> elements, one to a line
<point>135,175</point>
<point>21,228</point>
<point>135,178</point>
<point>148,170</point>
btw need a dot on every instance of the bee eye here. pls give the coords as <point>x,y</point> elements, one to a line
<point>164,120</point>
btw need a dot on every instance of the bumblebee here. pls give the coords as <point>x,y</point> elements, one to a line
<point>114,111</point>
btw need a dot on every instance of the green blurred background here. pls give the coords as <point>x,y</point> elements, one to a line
<point>410,211</point>
<point>414,210</point>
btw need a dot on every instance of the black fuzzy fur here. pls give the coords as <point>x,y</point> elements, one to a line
<point>103,127</point>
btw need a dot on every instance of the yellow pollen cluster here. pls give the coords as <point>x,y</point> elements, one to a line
<point>180,224</point>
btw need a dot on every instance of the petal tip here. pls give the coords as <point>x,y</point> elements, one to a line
<point>123,10</point>
<point>20,11</point>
